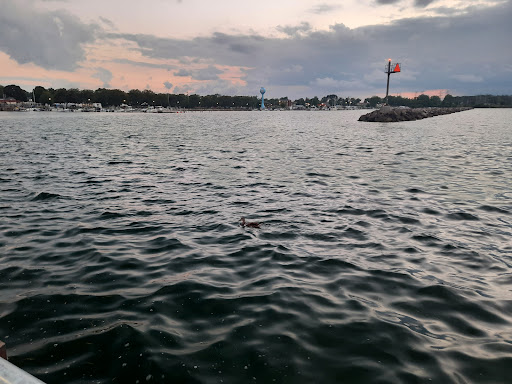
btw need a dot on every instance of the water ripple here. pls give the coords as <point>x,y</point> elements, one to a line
<point>383,254</point>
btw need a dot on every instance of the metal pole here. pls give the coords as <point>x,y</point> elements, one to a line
<point>389,74</point>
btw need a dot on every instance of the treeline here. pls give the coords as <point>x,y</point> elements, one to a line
<point>137,98</point>
<point>422,101</point>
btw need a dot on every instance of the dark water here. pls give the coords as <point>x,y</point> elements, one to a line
<point>384,254</point>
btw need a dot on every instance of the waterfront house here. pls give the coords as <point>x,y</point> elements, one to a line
<point>8,104</point>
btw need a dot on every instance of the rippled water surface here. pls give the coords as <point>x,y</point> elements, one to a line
<point>384,253</point>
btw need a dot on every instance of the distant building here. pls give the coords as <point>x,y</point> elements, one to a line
<point>8,101</point>
<point>8,104</point>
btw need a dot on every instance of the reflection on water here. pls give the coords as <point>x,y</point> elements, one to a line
<point>384,253</point>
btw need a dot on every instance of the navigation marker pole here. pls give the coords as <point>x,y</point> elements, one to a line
<point>389,72</point>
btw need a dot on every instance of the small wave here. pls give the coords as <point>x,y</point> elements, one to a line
<point>414,190</point>
<point>430,211</point>
<point>348,210</point>
<point>163,244</point>
<point>43,196</point>
<point>116,162</point>
<point>462,216</point>
<point>110,215</point>
<point>490,208</point>
<point>316,174</point>
<point>426,239</point>
<point>355,234</point>
<point>406,219</point>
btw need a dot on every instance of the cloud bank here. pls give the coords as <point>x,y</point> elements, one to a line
<point>436,53</point>
<point>462,50</point>
<point>51,40</point>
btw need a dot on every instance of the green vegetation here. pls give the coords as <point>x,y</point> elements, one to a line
<point>138,98</point>
<point>422,101</point>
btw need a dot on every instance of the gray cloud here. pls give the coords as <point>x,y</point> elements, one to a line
<point>445,11</point>
<point>208,73</point>
<point>183,89</point>
<point>435,52</point>
<point>107,22</point>
<point>325,8</point>
<point>183,73</point>
<point>144,64</point>
<point>422,3</point>
<point>52,40</point>
<point>293,30</point>
<point>104,75</point>
<point>385,2</point>
<point>167,85</point>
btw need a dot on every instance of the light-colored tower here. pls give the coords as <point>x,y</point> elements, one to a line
<point>262,91</point>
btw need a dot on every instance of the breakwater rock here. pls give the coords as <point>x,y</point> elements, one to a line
<point>389,114</point>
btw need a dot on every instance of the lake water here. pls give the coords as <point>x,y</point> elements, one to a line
<point>384,253</point>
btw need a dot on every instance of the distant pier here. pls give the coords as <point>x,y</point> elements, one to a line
<point>389,114</point>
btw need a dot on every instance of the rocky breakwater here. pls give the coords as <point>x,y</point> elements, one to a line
<point>389,114</point>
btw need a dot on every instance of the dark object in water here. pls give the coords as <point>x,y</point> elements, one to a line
<point>252,224</point>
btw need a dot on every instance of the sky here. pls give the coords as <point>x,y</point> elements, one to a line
<point>293,48</point>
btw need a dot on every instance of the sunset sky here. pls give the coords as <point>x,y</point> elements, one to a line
<point>293,48</point>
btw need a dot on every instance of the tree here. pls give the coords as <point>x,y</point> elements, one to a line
<point>148,96</point>
<point>332,100</point>
<point>135,97</point>
<point>38,91</point>
<point>86,96</point>
<point>73,96</point>
<point>373,101</point>
<point>194,101</point>
<point>1,90</point>
<point>422,101</point>
<point>16,92</point>
<point>60,96</point>
<point>314,101</point>
<point>117,97</point>
<point>448,101</point>
<point>435,101</point>
<point>44,98</point>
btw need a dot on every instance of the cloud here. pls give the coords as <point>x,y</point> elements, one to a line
<point>167,85</point>
<point>386,2</point>
<point>107,22</point>
<point>472,78</point>
<point>222,87</point>
<point>183,73</point>
<point>52,40</point>
<point>422,3</point>
<point>460,49</point>
<point>182,89</point>
<point>325,8</point>
<point>209,73</point>
<point>293,30</point>
<point>104,75</point>
<point>144,64</point>
<point>329,83</point>
<point>432,50</point>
